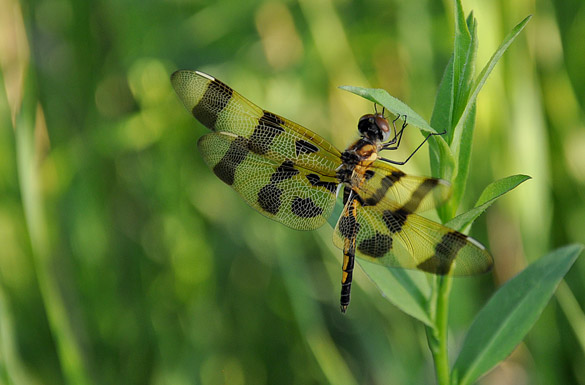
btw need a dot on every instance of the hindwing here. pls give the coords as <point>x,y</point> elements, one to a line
<point>392,235</point>
<point>284,191</point>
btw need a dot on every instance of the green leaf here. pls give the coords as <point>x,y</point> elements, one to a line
<point>451,102</point>
<point>485,72</point>
<point>480,81</point>
<point>510,313</point>
<point>443,109</point>
<point>489,195</point>
<point>459,179</point>
<point>460,136</point>
<point>464,110</point>
<point>460,53</point>
<point>406,289</point>
<point>498,188</point>
<point>465,53</point>
<point>441,120</point>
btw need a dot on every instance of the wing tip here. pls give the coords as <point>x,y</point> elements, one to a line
<point>175,75</point>
<point>489,260</point>
<point>207,76</point>
<point>475,242</point>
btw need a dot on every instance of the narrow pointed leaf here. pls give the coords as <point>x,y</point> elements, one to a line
<point>489,195</point>
<point>443,109</point>
<point>465,53</point>
<point>498,188</point>
<point>480,81</point>
<point>462,134</point>
<point>461,171</point>
<point>510,313</point>
<point>442,161</point>
<point>461,54</point>
<point>508,40</point>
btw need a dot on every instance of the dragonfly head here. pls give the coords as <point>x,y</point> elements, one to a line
<point>374,127</point>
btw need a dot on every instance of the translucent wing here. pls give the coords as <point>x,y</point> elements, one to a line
<point>222,109</point>
<point>418,193</point>
<point>392,235</point>
<point>293,195</point>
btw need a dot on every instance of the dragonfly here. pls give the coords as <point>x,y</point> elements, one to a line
<point>292,175</point>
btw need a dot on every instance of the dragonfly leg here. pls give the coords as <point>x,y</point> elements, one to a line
<point>414,152</point>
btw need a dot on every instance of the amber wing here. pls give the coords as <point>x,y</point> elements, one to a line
<point>387,230</point>
<point>280,168</point>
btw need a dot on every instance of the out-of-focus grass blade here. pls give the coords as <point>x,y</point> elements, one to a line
<point>309,318</point>
<point>573,311</point>
<point>70,350</point>
<point>5,120</point>
<point>407,290</point>
<point>489,195</point>
<point>12,370</point>
<point>510,313</point>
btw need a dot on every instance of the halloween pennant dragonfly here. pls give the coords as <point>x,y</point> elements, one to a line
<point>290,174</point>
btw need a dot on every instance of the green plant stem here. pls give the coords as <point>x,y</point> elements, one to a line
<point>438,335</point>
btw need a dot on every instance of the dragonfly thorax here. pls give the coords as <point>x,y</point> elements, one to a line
<point>356,160</point>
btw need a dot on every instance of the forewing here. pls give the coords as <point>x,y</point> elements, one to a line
<point>293,195</point>
<point>390,235</point>
<point>384,182</point>
<point>221,109</point>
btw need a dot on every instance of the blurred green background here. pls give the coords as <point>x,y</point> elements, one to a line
<point>123,260</point>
